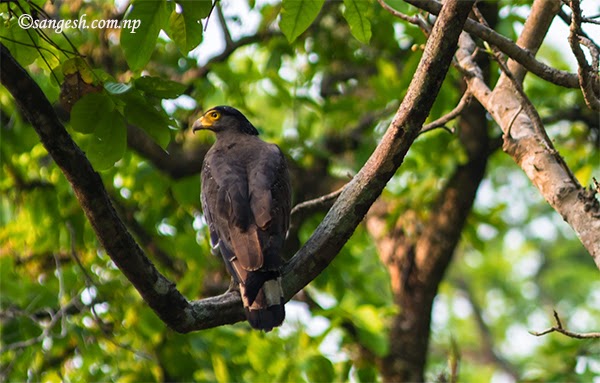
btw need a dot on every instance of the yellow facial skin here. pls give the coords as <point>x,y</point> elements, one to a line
<point>210,117</point>
<point>207,120</point>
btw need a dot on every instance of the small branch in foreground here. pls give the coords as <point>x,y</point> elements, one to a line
<point>442,121</point>
<point>426,28</point>
<point>312,205</point>
<point>559,328</point>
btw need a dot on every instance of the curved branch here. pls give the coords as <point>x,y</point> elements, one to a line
<point>339,224</point>
<point>512,50</point>
<point>587,75</point>
<point>541,163</point>
<point>442,121</point>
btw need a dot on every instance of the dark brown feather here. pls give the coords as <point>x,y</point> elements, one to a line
<point>246,200</point>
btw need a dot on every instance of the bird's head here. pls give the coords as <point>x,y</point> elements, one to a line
<point>224,119</point>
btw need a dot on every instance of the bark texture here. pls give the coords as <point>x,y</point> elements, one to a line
<point>525,139</point>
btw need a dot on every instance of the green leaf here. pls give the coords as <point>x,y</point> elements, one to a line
<point>145,116</point>
<point>14,37</point>
<point>196,9</point>
<point>319,369</point>
<point>355,14</point>
<point>139,44</point>
<point>87,113</point>
<point>108,143</point>
<point>185,28</point>
<point>297,15</point>
<point>159,87</point>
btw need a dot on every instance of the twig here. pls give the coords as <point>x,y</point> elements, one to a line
<point>54,319</point>
<point>442,121</point>
<point>426,28</point>
<point>102,325</point>
<point>145,238</point>
<point>214,4</point>
<point>224,28</point>
<point>525,103</point>
<point>587,78</point>
<point>316,203</point>
<point>61,295</point>
<point>566,18</point>
<point>559,328</point>
<point>454,358</point>
<point>88,278</point>
<point>31,46</point>
<point>513,119</point>
<point>509,47</point>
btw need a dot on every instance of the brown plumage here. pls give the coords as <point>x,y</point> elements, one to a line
<point>246,201</point>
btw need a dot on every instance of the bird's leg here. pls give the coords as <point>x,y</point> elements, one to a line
<point>233,286</point>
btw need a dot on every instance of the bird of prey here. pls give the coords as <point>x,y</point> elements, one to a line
<point>246,199</point>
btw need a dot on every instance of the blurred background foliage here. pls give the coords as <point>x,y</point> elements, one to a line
<point>325,99</point>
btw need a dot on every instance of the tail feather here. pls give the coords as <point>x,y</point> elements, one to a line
<point>266,310</point>
<point>255,281</point>
<point>266,319</point>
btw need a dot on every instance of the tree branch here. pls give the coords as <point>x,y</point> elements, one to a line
<point>559,328</point>
<point>544,166</point>
<point>588,76</point>
<point>360,193</point>
<point>339,224</point>
<point>159,292</point>
<point>507,46</point>
<point>442,121</point>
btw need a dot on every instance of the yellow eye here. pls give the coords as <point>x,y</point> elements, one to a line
<point>215,115</point>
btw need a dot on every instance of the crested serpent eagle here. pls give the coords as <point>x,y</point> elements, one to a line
<point>246,199</point>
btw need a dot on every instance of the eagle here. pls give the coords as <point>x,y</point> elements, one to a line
<point>246,200</point>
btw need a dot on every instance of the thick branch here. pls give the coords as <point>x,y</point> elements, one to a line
<point>365,187</point>
<point>159,292</point>
<point>541,163</point>
<point>321,248</point>
<point>507,46</point>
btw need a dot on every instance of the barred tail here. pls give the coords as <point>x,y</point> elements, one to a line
<point>263,300</point>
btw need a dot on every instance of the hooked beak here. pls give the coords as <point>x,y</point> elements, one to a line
<point>200,124</point>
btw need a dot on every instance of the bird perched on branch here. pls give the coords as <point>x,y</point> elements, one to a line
<point>246,199</point>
